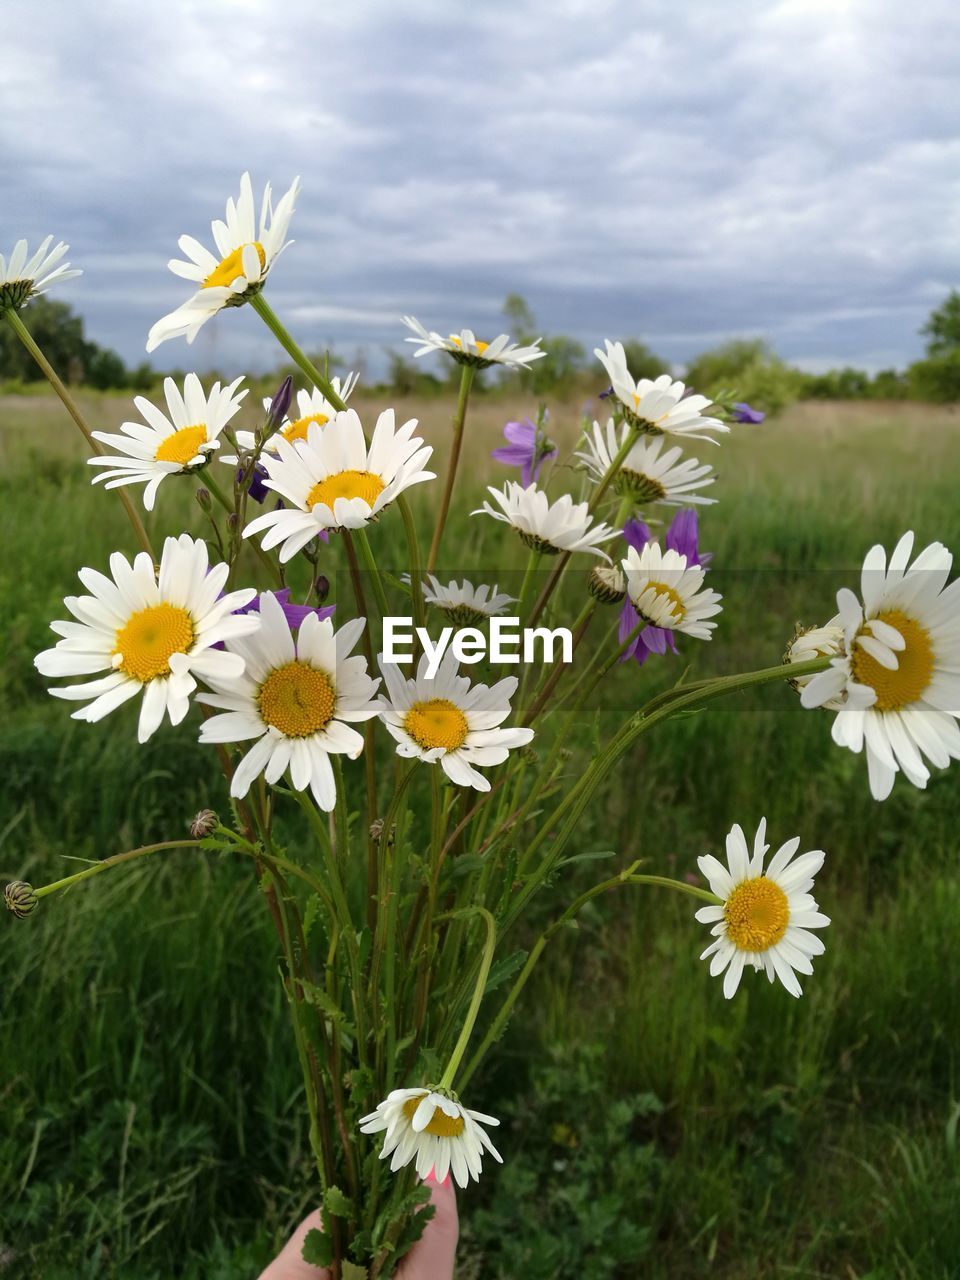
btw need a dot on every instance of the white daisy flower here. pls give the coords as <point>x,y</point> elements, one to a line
<point>766,916</point>
<point>545,526</point>
<point>153,632</point>
<point>22,279</point>
<point>646,473</point>
<point>897,679</point>
<point>294,697</point>
<point>466,604</point>
<point>467,349</point>
<point>332,480</point>
<point>817,642</point>
<point>657,406</point>
<point>312,406</point>
<point>667,592</point>
<point>244,257</point>
<point>431,1128</point>
<point>171,443</point>
<point>442,719</point>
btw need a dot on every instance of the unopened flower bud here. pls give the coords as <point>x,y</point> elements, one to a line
<point>607,584</point>
<point>232,520</point>
<point>204,500</point>
<point>20,898</point>
<point>321,588</point>
<point>204,824</point>
<point>279,405</point>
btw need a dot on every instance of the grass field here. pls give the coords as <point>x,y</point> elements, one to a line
<point>151,1118</point>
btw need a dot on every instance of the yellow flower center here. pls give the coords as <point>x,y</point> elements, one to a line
<point>346,484</point>
<point>441,1125</point>
<point>481,346</point>
<point>231,266</point>
<point>663,590</point>
<point>757,914</point>
<point>896,689</point>
<point>437,723</point>
<point>148,638</point>
<point>298,430</point>
<point>182,445</point>
<point>297,699</point>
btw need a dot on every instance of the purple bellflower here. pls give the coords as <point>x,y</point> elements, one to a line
<point>527,448</point>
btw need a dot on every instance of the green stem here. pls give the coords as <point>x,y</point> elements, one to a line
<point>313,374</point>
<point>370,564</point>
<point>25,336</point>
<point>227,505</point>
<point>413,552</point>
<point>113,861</point>
<point>459,417</point>
<point>478,991</point>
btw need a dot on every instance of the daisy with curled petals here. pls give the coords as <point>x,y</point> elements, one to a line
<point>294,697</point>
<point>23,278</point>
<point>467,349</point>
<point>312,407</point>
<point>896,683</point>
<point>465,604</point>
<point>668,592</point>
<point>433,1130</point>
<point>170,443</point>
<point>547,527</point>
<point>765,916</point>
<point>332,480</point>
<point>647,474</point>
<point>658,406</point>
<point>816,642</point>
<point>231,276</point>
<point>443,720</point>
<point>153,632</point>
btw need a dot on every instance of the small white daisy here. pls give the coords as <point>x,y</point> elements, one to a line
<point>22,279</point>
<point>817,642</point>
<point>152,632</point>
<point>467,349</point>
<point>333,481</point>
<point>657,405</point>
<point>171,443</point>
<point>294,697</point>
<point>466,604</point>
<point>431,1128</point>
<point>896,683</point>
<point>646,474</point>
<point>766,916</point>
<point>245,255</point>
<point>312,407</point>
<point>442,719</point>
<point>545,526</point>
<point>667,592</point>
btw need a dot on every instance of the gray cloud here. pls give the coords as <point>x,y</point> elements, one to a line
<point>680,172</point>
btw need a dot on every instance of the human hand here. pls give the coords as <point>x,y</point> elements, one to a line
<point>431,1258</point>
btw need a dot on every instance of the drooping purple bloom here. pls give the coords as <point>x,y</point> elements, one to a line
<point>683,537</point>
<point>605,395</point>
<point>294,613</point>
<point>256,488</point>
<point>528,449</point>
<point>742,412</point>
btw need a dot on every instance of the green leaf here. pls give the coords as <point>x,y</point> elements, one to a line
<point>463,865</point>
<point>311,914</point>
<point>504,969</point>
<point>318,997</point>
<point>318,1248</point>
<point>351,1271</point>
<point>595,856</point>
<point>341,1206</point>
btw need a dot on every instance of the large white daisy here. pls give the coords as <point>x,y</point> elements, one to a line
<point>244,257</point>
<point>332,480</point>
<point>467,349</point>
<point>153,632</point>
<point>667,592</point>
<point>431,1128</point>
<point>23,278</point>
<point>547,527</point>
<point>646,474</point>
<point>658,406</point>
<point>443,720</point>
<point>312,407</point>
<point>295,697</point>
<point>465,604</point>
<point>765,916</point>
<point>896,684</point>
<point>170,443</point>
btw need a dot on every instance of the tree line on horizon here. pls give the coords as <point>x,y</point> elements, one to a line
<point>744,368</point>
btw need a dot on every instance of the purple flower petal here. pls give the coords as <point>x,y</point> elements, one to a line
<point>294,613</point>
<point>742,412</point>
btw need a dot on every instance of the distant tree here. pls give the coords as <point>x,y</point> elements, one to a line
<point>519,317</point>
<point>943,326</point>
<point>889,384</point>
<point>59,334</point>
<point>726,364</point>
<point>936,379</point>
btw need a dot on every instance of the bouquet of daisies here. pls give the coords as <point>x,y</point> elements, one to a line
<point>407,824</point>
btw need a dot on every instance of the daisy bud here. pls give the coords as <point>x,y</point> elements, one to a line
<point>321,588</point>
<point>204,824</point>
<point>279,406</point>
<point>204,500</point>
<point>232,520</point>
<point>20,898</point>
<point>607,584</point>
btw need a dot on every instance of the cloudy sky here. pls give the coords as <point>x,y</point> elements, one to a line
<point>680,171</point>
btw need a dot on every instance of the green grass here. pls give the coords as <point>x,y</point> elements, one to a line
<point>151,1120</point>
